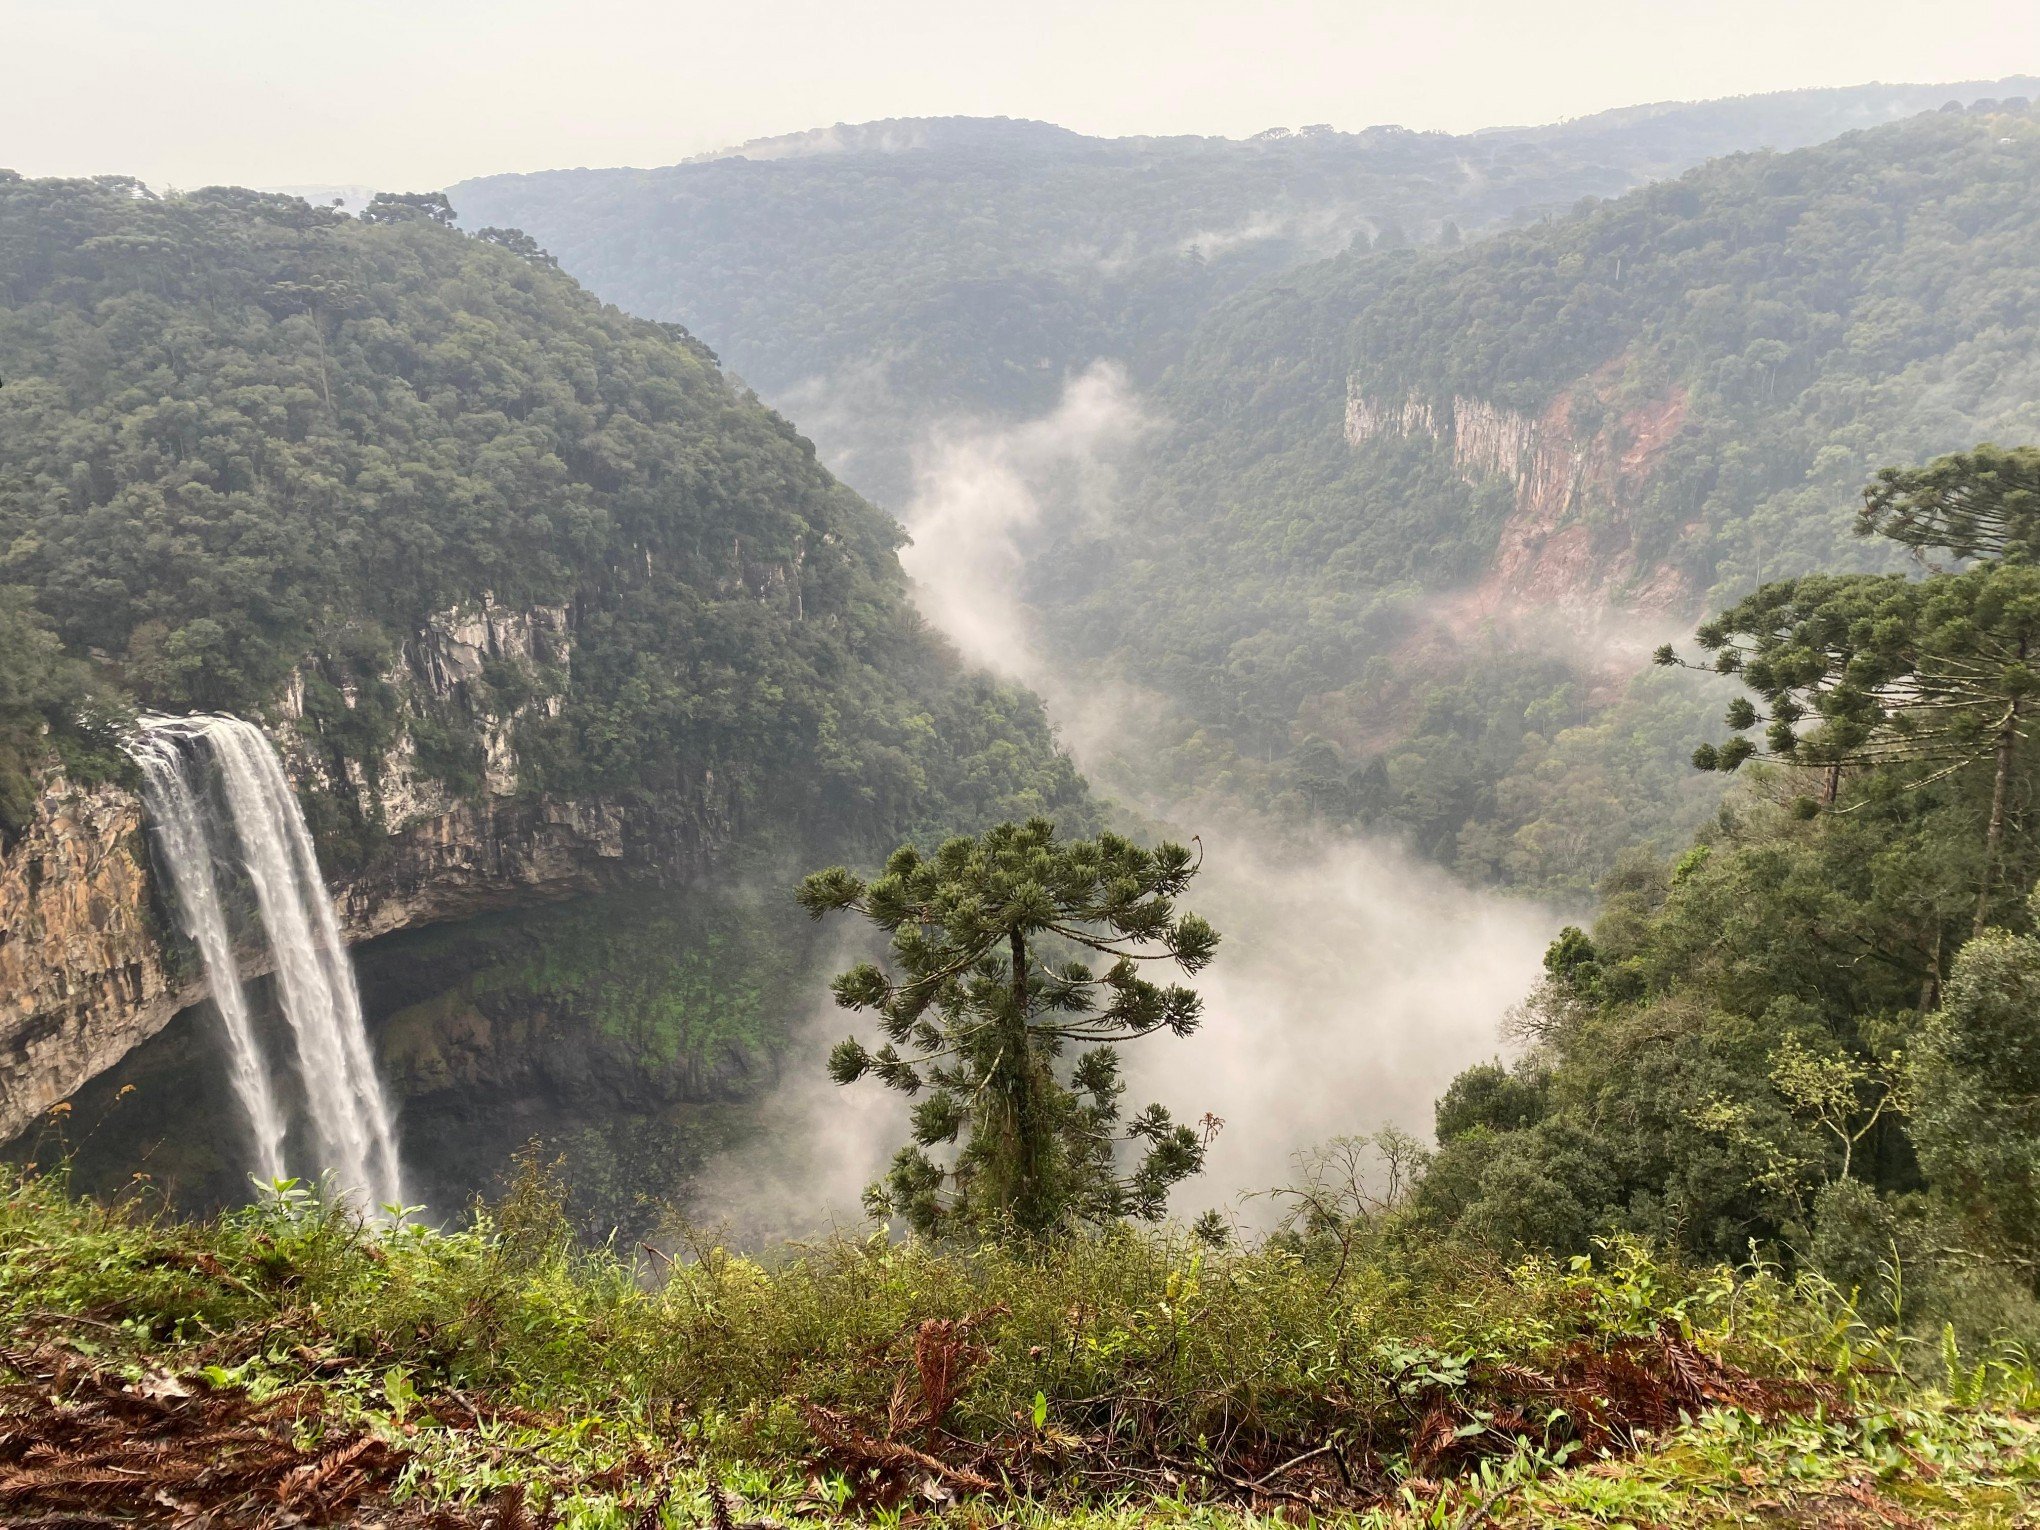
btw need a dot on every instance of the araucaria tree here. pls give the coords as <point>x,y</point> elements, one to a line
<point>1934,675</point>
<point>1982,504</point>
<point>992,988</point>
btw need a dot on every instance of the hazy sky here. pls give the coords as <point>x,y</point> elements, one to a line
<point>412,94</point>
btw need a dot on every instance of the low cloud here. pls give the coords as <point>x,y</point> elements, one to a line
<point>982,493</point>
<point>1321,230</point>
<point>1354,980</point>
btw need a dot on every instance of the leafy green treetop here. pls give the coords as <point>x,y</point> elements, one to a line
<point>1980,639</point>
<point>976,1018</point>
<point>1825,655</point>
<point>1978,504</point>
<point>1868,670</point>
<point>1976,1091</point>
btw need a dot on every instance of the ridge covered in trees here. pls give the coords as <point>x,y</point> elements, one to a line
<point>1737,350</point>
<point>246,444</point>
<point>875,279</point>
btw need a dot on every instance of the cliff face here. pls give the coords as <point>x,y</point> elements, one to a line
<point>84,972</point>
<point>88,970</point>
<point>1566,543</point>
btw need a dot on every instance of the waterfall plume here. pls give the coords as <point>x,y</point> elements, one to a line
<point>245,882</point>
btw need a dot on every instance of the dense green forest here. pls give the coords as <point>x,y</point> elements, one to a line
<point>252,451</point>
<point>243,439</point>
<point>875,278</point>
<point>1813,1030</point>
<point>1719,362</point>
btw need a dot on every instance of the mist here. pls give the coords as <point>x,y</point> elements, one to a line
<point>1353,980</point>
<point>818,1143</point>
<point>981,492</point>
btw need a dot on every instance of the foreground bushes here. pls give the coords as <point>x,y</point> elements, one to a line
<point>500,1355</point>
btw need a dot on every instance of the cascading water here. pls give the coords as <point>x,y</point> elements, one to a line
<point>219,803</point>
<point>185,852</point>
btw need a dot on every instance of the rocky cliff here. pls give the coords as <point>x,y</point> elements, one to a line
<point>85,974</point>
<point>89,968</point>
<point>1567,542</point>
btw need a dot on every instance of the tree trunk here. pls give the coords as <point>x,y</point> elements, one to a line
<point>1026,1190</point>
<point>1930,988</point>
<point>2008,733</point>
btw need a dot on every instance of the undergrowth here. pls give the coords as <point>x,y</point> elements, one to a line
<point>497,1373</point>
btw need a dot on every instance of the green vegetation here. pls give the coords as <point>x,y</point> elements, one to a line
<point>1129,1378</point>
<point>630,1032</point>
<point>871,279</point>
<point>1731,354</point>
<point>984,1017</point>
<point>246,444</point>
<point>1813,1031</point>
<point>665,984</point>
<point>1976,1108</point>
<point>48,703</point>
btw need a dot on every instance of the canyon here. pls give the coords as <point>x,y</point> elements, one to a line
<point>90,967</point>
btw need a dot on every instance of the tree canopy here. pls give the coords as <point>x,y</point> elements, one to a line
<point>251,447</point>
<point>979,1014</point>
<point>1348,624</point>
<point>877,277</point>
<point>1813,1030</point>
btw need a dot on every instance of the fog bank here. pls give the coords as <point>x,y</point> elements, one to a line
<point>1353,980</point>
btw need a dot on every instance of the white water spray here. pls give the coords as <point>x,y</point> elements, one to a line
<point>221,806</point>
<point>1355,981</point>
<point>173,791</point>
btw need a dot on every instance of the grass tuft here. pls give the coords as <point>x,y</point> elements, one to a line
<point>498,1371</point>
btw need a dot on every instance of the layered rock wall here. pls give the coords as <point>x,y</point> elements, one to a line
<point>1566,543</point>
<point>84,973</point>
<point>88,970</point>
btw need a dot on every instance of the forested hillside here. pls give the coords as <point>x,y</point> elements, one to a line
<point>457,531</point>
<point>239,434</point>
<point>1814,1028</point>
<point>872,279</point>
<point>1416,516</point>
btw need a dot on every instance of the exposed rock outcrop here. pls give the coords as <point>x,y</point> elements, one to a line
<point>504,852</point>
<point>1567,542</point>
<point>84,973</point>
<point>88,971</point>
<point>445,668</point>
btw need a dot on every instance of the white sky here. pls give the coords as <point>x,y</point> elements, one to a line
<point>413,94</point>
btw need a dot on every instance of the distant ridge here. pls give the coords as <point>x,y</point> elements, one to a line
<point>1863,106</point>
<point>898,135</point>
<point>870,278</point>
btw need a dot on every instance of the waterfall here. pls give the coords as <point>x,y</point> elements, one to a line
<point>173,797</point>
<point>224,816</point>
